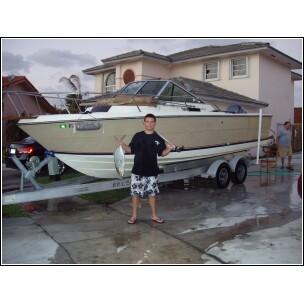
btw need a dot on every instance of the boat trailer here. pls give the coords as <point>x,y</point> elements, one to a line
<point>221,170</point>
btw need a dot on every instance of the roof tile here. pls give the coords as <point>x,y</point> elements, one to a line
<point>204,89</point>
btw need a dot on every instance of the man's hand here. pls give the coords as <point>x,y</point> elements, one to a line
<point>120,141</point>
<point>122,144</point>
<point>169,148</point>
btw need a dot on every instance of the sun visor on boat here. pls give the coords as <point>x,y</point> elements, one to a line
<point>127,100</point>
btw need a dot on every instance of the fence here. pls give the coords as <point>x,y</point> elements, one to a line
<point>297,137</point>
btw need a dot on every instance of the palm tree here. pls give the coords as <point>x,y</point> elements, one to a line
<point>72,100</point>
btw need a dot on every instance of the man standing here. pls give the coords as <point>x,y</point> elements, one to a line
<point>284,144</point>
<point>146,145</point>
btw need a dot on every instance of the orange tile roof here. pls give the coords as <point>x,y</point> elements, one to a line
<point>8,81</point>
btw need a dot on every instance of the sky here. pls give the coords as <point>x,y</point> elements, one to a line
<point>45,61</point>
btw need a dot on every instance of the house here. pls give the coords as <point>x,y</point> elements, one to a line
<point>20,105</point>
<point>204,91</point>
<point>254,70</point>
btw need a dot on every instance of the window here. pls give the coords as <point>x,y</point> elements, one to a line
<point>174,93</point>
<point>110,83</point>
<point>151,88</point>
<point>211,70</point>
<point>128,76</point>
<point>239,67</point>
<point>132,88</point>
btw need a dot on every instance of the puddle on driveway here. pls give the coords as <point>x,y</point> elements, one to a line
<point>121,240</point>
<point>206,215</point>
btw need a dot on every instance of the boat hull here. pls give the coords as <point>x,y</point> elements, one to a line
<point>102,166</point>
<point>62,136</point>
<point>86,142</point>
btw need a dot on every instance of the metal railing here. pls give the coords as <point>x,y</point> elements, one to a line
<point>54,98</point>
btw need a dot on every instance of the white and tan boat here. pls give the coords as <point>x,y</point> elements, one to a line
<point>86,142</point>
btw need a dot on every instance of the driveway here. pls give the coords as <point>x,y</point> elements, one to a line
<point>259,222</point>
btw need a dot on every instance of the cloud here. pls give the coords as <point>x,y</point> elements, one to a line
<point>14,64</point>
<point>173,45</point>
<point>61,58</point>
<point>292,47</point>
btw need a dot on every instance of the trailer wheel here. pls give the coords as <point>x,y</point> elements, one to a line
<point>240,173</point>
<point>222,177</point>
<point>61,166</point>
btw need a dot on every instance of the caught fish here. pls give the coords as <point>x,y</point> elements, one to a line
<point>119,161</point>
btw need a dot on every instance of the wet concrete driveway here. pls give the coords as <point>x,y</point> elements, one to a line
<point>259,222</point>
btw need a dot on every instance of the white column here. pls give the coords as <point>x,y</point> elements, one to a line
<point>259,136</point>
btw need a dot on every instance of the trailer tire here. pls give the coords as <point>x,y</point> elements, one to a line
<point>240,173</point>
<point>222,177</point>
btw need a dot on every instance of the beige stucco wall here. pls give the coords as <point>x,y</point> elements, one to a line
<point>100,79</point>
<point>276,88</point>
<point>149,69</point>
<point>193,70</point>
<point>135,66</point>
<point>155,69</point>
<point>143,69</point>
<point>98,82</point>
<point>248,86</point>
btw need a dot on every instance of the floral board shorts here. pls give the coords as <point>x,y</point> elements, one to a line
<point>144,185</point>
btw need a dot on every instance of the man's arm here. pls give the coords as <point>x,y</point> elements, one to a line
<point>125,147</point>
<point>168,149</point>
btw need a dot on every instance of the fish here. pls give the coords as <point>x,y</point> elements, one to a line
<point>119,161</point>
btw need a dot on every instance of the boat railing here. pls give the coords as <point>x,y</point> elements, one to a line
<point>59,100</point>
<point>56,99</point>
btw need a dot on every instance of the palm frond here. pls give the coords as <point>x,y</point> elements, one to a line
<point>76,81</point>
<point>68,83</point>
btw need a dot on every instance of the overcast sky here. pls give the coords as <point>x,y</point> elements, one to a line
<point>44,61</point>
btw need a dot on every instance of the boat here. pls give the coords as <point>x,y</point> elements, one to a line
<point>86,141</point>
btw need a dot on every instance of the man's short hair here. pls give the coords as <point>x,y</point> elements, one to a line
<point>286,123</point>
<point>150,116</point>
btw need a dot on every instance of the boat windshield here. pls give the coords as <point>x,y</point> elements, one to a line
<point>164,89</point>
<point>174,93</point>
<point>151,88</point>
<point>132,88</point>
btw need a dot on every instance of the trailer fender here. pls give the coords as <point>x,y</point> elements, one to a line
<point>233,162</point>
<point>211,172</point>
